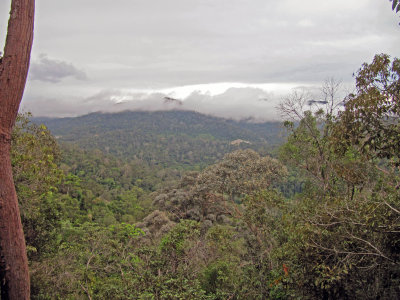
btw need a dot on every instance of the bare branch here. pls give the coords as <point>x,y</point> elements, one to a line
<point>336,251</point>
<point>294,105</point>
<point>391,207</point>
<point>372,246</point>
<point>331,93</point>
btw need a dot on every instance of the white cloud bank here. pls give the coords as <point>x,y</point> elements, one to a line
<point>235,102</point>
<point>138,49</point>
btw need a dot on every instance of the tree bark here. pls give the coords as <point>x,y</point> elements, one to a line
<point>14,273</point>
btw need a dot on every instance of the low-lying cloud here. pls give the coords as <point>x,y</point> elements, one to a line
<point>237,103</point>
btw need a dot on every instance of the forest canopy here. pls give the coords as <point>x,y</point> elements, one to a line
<point>319,218</point>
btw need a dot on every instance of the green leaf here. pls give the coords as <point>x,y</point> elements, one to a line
<point>395,2</point>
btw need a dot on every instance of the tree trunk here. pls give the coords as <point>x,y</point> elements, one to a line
<point>14,274</point>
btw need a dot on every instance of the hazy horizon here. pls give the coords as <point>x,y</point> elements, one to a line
<point>228,58</point>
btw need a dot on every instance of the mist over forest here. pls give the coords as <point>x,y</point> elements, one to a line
<point>215,150</point>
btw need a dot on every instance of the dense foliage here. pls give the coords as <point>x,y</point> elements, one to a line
<point>347,220</point>
<point>322,221</point>
<point>178,139</point>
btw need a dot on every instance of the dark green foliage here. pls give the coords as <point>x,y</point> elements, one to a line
<point>371,118</point>
<point>92,261</point>
<point>106,187</point>
<point>173,243</point>
<point>179,139</point>
<point>101,225</point>
<point>339,228</point>
<point>395,6</point>
<point>34,156</point>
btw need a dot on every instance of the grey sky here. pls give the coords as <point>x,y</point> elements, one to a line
<point>135,49</point>
<point>53,71</point>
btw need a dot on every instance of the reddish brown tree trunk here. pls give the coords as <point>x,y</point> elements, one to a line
<point>14,274</point>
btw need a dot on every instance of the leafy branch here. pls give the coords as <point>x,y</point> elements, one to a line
<point>395,6</point>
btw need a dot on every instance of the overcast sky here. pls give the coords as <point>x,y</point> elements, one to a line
<point>233,58</point>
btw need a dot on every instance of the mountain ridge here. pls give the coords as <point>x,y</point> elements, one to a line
<point>172,137</point>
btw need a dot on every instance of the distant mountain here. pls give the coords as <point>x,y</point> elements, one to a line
<point>168,138</point>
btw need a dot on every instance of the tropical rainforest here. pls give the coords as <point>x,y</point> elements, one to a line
<point>178,205</point>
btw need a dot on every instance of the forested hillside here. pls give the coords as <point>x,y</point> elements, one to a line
<point>319,220</point>
<point>179,139</point>
<point>164,205</point>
